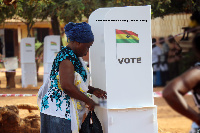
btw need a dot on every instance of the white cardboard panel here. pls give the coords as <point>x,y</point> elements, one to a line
<point>102,114</point>
<point>97,50</point>
<point>51,47</point>
<point>130,120</point>
<point>129,84</point>
<point>47,70</point>
<point>29,74</point>
<point>27,50</point>
<point>10,63</point>
<point>133,120</point>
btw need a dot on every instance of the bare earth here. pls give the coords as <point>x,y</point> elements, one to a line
<point>168,120</point>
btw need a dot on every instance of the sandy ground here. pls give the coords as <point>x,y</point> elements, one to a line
<point>168,120</point>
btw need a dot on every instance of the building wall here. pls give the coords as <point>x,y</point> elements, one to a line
<point>22,31</point>
<point>169,25</point>
<point>23,27</point>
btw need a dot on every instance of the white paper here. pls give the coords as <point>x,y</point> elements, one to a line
<point>11,63</point>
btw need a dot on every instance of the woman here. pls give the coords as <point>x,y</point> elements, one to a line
<point>173,57</point>
<point>63,105</point>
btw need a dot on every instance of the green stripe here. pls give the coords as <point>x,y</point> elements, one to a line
<point>127,41</point>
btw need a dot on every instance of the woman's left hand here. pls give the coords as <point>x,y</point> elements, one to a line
<point>100,93</point>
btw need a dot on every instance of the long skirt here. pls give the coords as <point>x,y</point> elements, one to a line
<point>53,124</point>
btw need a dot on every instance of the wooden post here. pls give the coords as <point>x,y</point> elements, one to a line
<point>10,78</point>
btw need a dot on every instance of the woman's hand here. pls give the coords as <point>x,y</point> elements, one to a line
<point>91,105</point>
<point>99,93</point>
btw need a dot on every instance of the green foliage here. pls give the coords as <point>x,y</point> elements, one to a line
<point>37,44</point>
<point>90,6</point>
<point>159,8</point>
<point>6,12</point>
<point>70,10</point>
<point>29,11</point>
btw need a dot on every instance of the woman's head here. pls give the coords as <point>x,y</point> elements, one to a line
<point>80,32</point>
<point>80,36</point>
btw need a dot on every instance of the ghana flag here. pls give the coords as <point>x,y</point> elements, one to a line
<point>28,44</point>
<point>125,36</point>
<point>53,43</point>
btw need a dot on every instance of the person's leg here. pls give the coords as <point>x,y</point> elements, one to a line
<point>158,78</point>
<point>162,76</point>
<point>154,79</point>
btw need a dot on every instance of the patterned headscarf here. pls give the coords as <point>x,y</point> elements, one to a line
<point>80,32</point>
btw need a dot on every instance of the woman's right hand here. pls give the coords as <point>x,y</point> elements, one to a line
<point>91,105</point>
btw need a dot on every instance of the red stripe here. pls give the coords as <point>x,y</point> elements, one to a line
<point>126,32</point>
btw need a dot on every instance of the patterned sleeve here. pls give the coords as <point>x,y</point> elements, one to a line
<point>66,54</point>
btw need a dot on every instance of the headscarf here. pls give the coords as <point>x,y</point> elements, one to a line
<point>80,32</point>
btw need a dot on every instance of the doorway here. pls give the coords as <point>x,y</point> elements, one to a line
<point>11,43</point>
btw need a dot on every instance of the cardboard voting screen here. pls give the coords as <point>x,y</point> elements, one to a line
<point>120,63</point>
<point>27,50</point>
<point>97,50</point>
<point>120,58</point>
<point>51,46</point>
<point>29,74</point>
<point>128,57</point>
<point>129,120</point>
<point>47,70</point>
<point>133,120</point>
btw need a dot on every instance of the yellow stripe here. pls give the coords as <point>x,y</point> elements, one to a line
<point>124,36</point>
<point>77,116</point>
<point>59,85</point>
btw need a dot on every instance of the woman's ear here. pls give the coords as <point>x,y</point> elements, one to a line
<point>76,44</point>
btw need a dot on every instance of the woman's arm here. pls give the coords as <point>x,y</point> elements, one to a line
<point>66,72</point>
<point>177,88</point>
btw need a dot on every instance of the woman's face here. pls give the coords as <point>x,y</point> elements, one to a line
<point>83,48</point>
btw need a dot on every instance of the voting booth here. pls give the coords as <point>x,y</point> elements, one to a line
<point>121,64</point>
<point>28,65</point>
<point>51,48</point>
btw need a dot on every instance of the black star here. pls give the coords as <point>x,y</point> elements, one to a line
<point>127,36</point>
